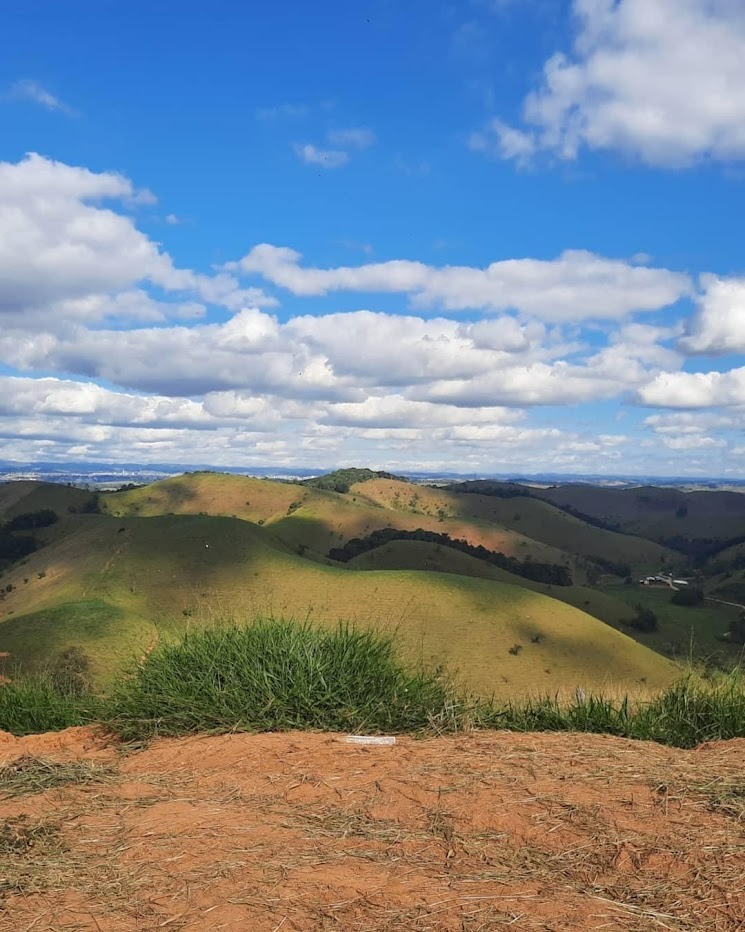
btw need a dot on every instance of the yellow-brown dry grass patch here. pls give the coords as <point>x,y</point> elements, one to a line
<point>28,775</point>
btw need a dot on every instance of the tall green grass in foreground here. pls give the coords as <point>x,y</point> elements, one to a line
<point>695,709</point>
<point>276,676</point>
<point>35,703</point>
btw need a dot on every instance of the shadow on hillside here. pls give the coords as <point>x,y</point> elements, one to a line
<point>30,642</point>
<point>168,496</point>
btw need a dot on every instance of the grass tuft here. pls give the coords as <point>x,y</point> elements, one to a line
<point>694,710</point>
<point>595,714</point>
<point>35,703</point>
<point>698,709</point>
<point>283,675</point>
<point>274,676</point>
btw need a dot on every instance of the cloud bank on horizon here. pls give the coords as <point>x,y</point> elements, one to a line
<point>141,322</point>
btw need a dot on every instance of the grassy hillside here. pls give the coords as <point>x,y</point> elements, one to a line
<point>683,630</point>
<point>731,589</point>
<point>115,585</point>
<point>208,493</point>
<point>426,557</point>
<point>655,513</point>
<point>536,520</point>
<point>26,495</point>
<point>726,575</point>
<point>310,520</point>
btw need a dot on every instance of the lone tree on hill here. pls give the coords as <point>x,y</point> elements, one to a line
<point>688,596</point>
<point>645,620</point>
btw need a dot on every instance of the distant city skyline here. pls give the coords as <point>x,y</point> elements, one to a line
<point>478,238</point>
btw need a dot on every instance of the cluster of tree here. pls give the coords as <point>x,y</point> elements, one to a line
<point>14,548</point>
<point>645,620</point>
<point>31,520</point>
<point>550,573</point>
<point>610,566</point>
<point>592,520</point>
<point>691,595</point>
<point>90,507</point>
<point>343,479</point>
<point>700,549</point>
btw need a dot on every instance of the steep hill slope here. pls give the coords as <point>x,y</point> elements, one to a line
<point>656,513</point>
<point>681,632</point>
<point>427,557</point>
<point>726,573</point>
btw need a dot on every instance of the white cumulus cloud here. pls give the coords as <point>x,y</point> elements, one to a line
<point>719,325</point>
<point>576,285</point>
<point>63,251</point>
<point>695,389</point>
<point>660,80</point>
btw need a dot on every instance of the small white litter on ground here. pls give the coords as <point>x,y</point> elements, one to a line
<point>370,739</point>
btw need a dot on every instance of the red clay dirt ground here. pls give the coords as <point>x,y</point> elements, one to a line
<point>480,831</point>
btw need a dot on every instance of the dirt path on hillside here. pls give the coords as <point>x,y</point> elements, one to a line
<point>304,832</point>
<point>722,602</point>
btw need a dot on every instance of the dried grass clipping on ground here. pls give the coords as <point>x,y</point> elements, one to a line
<point>303,832</point>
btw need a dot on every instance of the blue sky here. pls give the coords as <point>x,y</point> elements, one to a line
<point>485,235</point>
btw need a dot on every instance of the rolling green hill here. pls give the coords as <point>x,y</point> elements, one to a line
<point>682,630</point>
<point>427,557</point>
<point>657,513</point>
<point>113,585</point>
<point>315,520</point>
<point>533,519</point>
<point>308,519</point>
<point>27,495</point>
